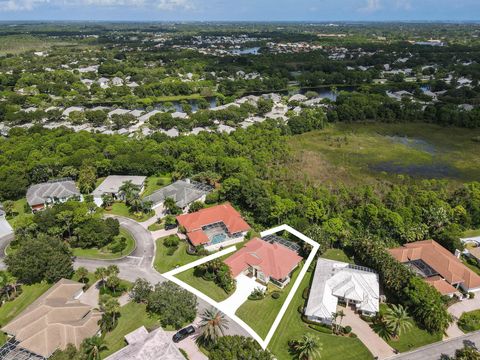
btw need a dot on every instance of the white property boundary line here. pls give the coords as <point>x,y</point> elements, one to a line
<point>263,342</point>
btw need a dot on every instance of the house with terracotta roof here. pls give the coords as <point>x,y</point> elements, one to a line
<point>54,320</point>
<point>266,261</point>
<point>214,227</point>
<point>437,266</point>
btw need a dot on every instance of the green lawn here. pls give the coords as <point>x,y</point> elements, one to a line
<point>105,253</point>
<point>90,277</point>
<point>152,184</point>
<point>132,316</point>
<point>120,209</point>
<point>413,338</point>
<point>471,233</point>
<point>156,226</point>
<point>29,294</point>
<point>164,262</point>
<point>292,327</point>
<point>260,314</point>
<point>337,255</point>
<point>362,153</point>
<point>19,213</point>
<point>209,288</point>
<point>469,321</point>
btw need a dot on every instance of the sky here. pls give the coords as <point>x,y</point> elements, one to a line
<point>241,10</point>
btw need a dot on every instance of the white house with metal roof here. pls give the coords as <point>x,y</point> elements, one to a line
<point>336,281</point>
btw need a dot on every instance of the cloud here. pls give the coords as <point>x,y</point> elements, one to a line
<point>169,5</point>
<point>403,4</point>
<point>371,6</point>
<point>20,5</point>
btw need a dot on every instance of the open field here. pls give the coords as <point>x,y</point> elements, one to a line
<point>16,44</point>
<point>260,314</point>
<point>105,253</point>
<point>366,152</point>
<point>292,327</point>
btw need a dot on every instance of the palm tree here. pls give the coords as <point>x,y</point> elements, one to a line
<point>308,348</point>
<point>397,319</point>
<point>110,307</point>
<point>212,325</point>
<point>107,200</point>
<point>169,204</point>
<point>341,315</point>
<point>92,347</point>
<point>334,321</point>
<point>82,274</point>
<point>101,273</point>
<point>128,189</point>
<point>113,270</point>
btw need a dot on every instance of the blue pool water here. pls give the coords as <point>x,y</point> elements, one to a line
<point>218,238</point>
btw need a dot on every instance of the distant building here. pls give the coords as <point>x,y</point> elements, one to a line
<point>142,345</point>
<point>336,281</point>
<point>184,192</point>
<point>214,227</point>
<point>40,196</point>
<point>112,184</point>
<point>5,228</point>
<point>54,320</point>
<point>437,266</point>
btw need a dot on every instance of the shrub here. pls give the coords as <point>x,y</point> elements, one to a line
<point>470,321</point>
<point>305,293</point>
<point>275,295</point>
<point>471,295</point>
<point>347,329</point>
<point>171,241</point>
<point>320,328</point>
<point>171,250</point>
<point>257,294</point>
<point>353,335</point>
<point>300,309</point>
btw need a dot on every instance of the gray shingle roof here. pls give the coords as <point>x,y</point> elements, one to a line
<point>156,345</point>
<point>182,191</point>
<point>40,193</point>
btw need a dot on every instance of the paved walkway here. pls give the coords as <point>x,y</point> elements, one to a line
<point>245,286</point>
<point>442,349</point>
<point>460,307</point>
<point>377,346</point>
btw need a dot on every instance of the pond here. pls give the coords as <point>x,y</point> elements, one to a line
<point>414,143</point>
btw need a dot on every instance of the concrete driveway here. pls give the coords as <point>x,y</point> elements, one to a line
<point>245,286</point>
<point>377,346</point>
<point>460,307</point>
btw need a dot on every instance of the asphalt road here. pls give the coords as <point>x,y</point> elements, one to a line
<point>441,350</point>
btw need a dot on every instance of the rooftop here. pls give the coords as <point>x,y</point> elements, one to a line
<point>184,192</point>
<point>142,345</point>
<point>335,279</point>
<point>54,320</point>
<point>440,260</point>
<point>224,213</point>
<point>56,189</point>
<point>113,183</point>
<point>273,259</point>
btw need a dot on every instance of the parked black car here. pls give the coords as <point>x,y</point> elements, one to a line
<point>183,334</point>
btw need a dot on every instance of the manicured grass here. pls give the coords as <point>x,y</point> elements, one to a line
<point>132,316</point>
<point>471,263</point>
<point>120,209</point>
<point>292,327</point>
<point>469,321</point>
<point>156,227</point>
<point>471,233</point>
<point>337,255</point>
<point>105,253</point>
<point>260,314</point>
<point>412,338</point>
<point>123,288</point>
<point>368,152</point>
<point>89,280</point>
<point>152,184</point>
<point>29,294</point>
<point>164,262</point>
<point>19,213</point>
<point>209,288</point>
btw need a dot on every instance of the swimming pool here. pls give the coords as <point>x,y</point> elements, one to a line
<point>218,238</point>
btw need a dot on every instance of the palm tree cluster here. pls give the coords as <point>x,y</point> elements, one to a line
<point>336,326</point>
<point>393,322</point>
<point>131,193</point>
